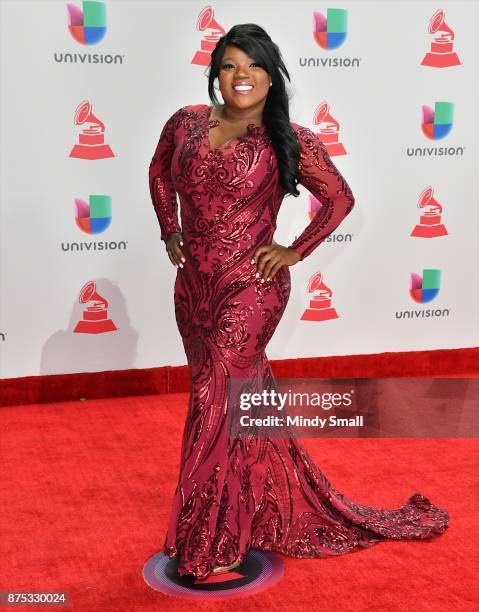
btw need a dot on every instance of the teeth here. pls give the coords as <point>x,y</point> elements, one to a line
<point>243,87</point>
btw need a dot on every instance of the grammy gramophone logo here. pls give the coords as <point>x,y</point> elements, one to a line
<point>441,53</point>
<point>91,139</point>
<point>430,224</point>
<point>328,130</point>
<point>95,318</point>
<point>320,308</point>
<point>206,22</point>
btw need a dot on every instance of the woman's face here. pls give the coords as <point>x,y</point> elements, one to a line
<point>238,68</point>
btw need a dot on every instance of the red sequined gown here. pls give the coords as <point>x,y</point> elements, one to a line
<point>234,495</point>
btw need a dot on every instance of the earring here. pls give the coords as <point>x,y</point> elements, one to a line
<point>270,84</point>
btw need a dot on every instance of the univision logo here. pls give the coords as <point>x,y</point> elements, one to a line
<point>330,32</point>
<point>314,208</point>
<point>437,121</point>
<point>337,237</point>
<point>424,289</point>
<point>87,26</point>
<point>436,124</point>
<point>93,217</point>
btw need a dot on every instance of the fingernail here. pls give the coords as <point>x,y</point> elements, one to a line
<point>183,259</point>
<point>262,280</point>
<point>252,261</point>
<point>257,274</point>
<point>181,265</point>
<point>268,278</point>
<point>181,244</point>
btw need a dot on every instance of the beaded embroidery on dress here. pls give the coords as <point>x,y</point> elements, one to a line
<point>234,495</point>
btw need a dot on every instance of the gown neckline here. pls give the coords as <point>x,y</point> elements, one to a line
<point>251,128</point>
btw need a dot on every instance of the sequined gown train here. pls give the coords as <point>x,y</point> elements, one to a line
<point>266,493</point>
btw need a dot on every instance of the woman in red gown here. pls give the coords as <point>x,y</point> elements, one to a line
<point>231,167</point>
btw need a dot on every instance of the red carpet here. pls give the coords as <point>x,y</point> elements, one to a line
<point>87,488</point>
<point>173,379</point>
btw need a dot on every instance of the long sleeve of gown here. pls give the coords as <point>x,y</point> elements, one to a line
<point>163,194</point>
<point>321,178</point>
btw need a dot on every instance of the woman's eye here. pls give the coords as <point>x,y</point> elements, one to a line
<point>231,65</point>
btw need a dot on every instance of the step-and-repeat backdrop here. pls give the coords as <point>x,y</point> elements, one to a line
<point>391,87</point>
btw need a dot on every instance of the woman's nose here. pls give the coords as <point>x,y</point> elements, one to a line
<point>241,72</point>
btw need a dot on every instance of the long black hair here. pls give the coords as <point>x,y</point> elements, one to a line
<point>257,43</point>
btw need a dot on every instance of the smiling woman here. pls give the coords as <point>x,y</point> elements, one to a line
<point>241,75</point>
<point>231,166</point>
<point>244,86</point>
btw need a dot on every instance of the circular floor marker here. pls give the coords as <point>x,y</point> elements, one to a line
<point>259,571</point>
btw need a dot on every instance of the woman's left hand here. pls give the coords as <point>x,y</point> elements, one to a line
<point>271,257</point>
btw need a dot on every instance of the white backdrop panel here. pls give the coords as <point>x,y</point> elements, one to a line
<point>378,106</point>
